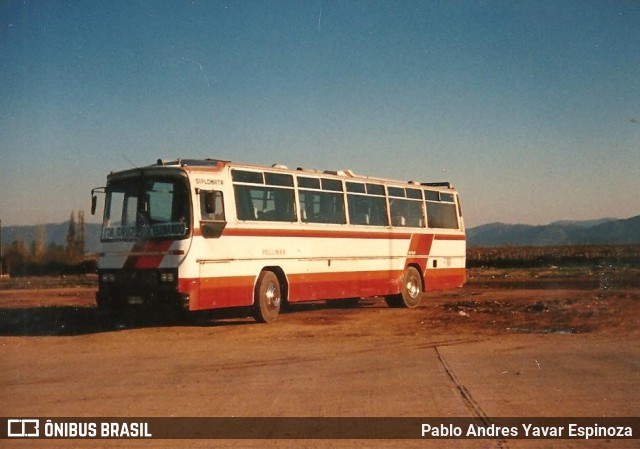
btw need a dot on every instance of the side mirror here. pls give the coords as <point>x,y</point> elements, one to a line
<point>210,202</point>
<point>94,198</point>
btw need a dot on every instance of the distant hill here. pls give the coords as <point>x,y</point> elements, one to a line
<point>583,223</point>
<point>593,232</point>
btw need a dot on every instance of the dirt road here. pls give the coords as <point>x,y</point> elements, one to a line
<point>502,346</point>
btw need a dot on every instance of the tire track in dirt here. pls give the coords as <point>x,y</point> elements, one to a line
<point>474,407</point>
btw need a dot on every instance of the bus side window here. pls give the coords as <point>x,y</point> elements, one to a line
<point>244,204</point>
<point>211,205</point>
<point>212,213</point>
<point>441,210</point>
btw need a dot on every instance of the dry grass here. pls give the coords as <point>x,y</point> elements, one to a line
<point>46,282</point>
<point>555,256</point>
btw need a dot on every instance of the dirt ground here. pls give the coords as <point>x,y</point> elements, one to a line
<point>554,342</point>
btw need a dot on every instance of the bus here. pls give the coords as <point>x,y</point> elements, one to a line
<point>192,235</point>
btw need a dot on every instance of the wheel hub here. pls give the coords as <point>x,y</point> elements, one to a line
<point>413,288</point>
<point>272,295</point>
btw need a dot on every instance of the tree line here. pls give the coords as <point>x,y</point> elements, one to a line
<point>40,258</point>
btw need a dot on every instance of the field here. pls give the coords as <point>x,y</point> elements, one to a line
<point>554,341</point>
<point>594,256</point>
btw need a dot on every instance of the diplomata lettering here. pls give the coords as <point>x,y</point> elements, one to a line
<point>209,182</point>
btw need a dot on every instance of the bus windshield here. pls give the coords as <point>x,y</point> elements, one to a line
<point>145,208</point>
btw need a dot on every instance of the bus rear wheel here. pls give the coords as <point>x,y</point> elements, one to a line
<point>267,298</point>
<point>411,290</point>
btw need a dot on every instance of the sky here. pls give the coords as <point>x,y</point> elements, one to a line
<point>530,108</point>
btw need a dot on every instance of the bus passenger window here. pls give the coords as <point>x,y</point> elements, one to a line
<point>264,203</point>
<point>441,210</point>
<point>244,205</point>
<point>367,210</point>
<point>406,208</point>
<point>322,207</point>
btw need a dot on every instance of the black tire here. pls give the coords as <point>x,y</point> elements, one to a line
<point>267,298</point>
<point>411,290</point>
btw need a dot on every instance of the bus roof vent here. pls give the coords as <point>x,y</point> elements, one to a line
<point>284,167</point>
<point>308,170</point>
<point>199,162</point>
<point>189,162</point>
<point>438,184</point>
<point>348,173</point>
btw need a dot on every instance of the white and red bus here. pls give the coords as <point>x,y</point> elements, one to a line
<point>206,234</point>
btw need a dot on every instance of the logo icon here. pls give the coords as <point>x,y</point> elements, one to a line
<point>23,428</point>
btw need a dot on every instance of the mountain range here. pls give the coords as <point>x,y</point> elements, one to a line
<point>592,232</point>
<point>607,231</point>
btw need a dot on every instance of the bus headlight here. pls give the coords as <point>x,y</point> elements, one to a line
<point>108,277</point>
<point>167,277</point>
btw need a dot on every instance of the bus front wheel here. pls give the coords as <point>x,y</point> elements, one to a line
<point>267,298</point>
<point>411,290</point>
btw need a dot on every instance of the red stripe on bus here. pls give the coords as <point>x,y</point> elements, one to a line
<point>214,293</point>
<point>313,286</point>
<point>421,244</point>
<point>450,237</point>
<point>235,291</point>
<point>314,233</point>
<point>156,252</point>
<point>444,278</point>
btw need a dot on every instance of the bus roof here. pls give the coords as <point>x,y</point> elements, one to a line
<point>217,165</point>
